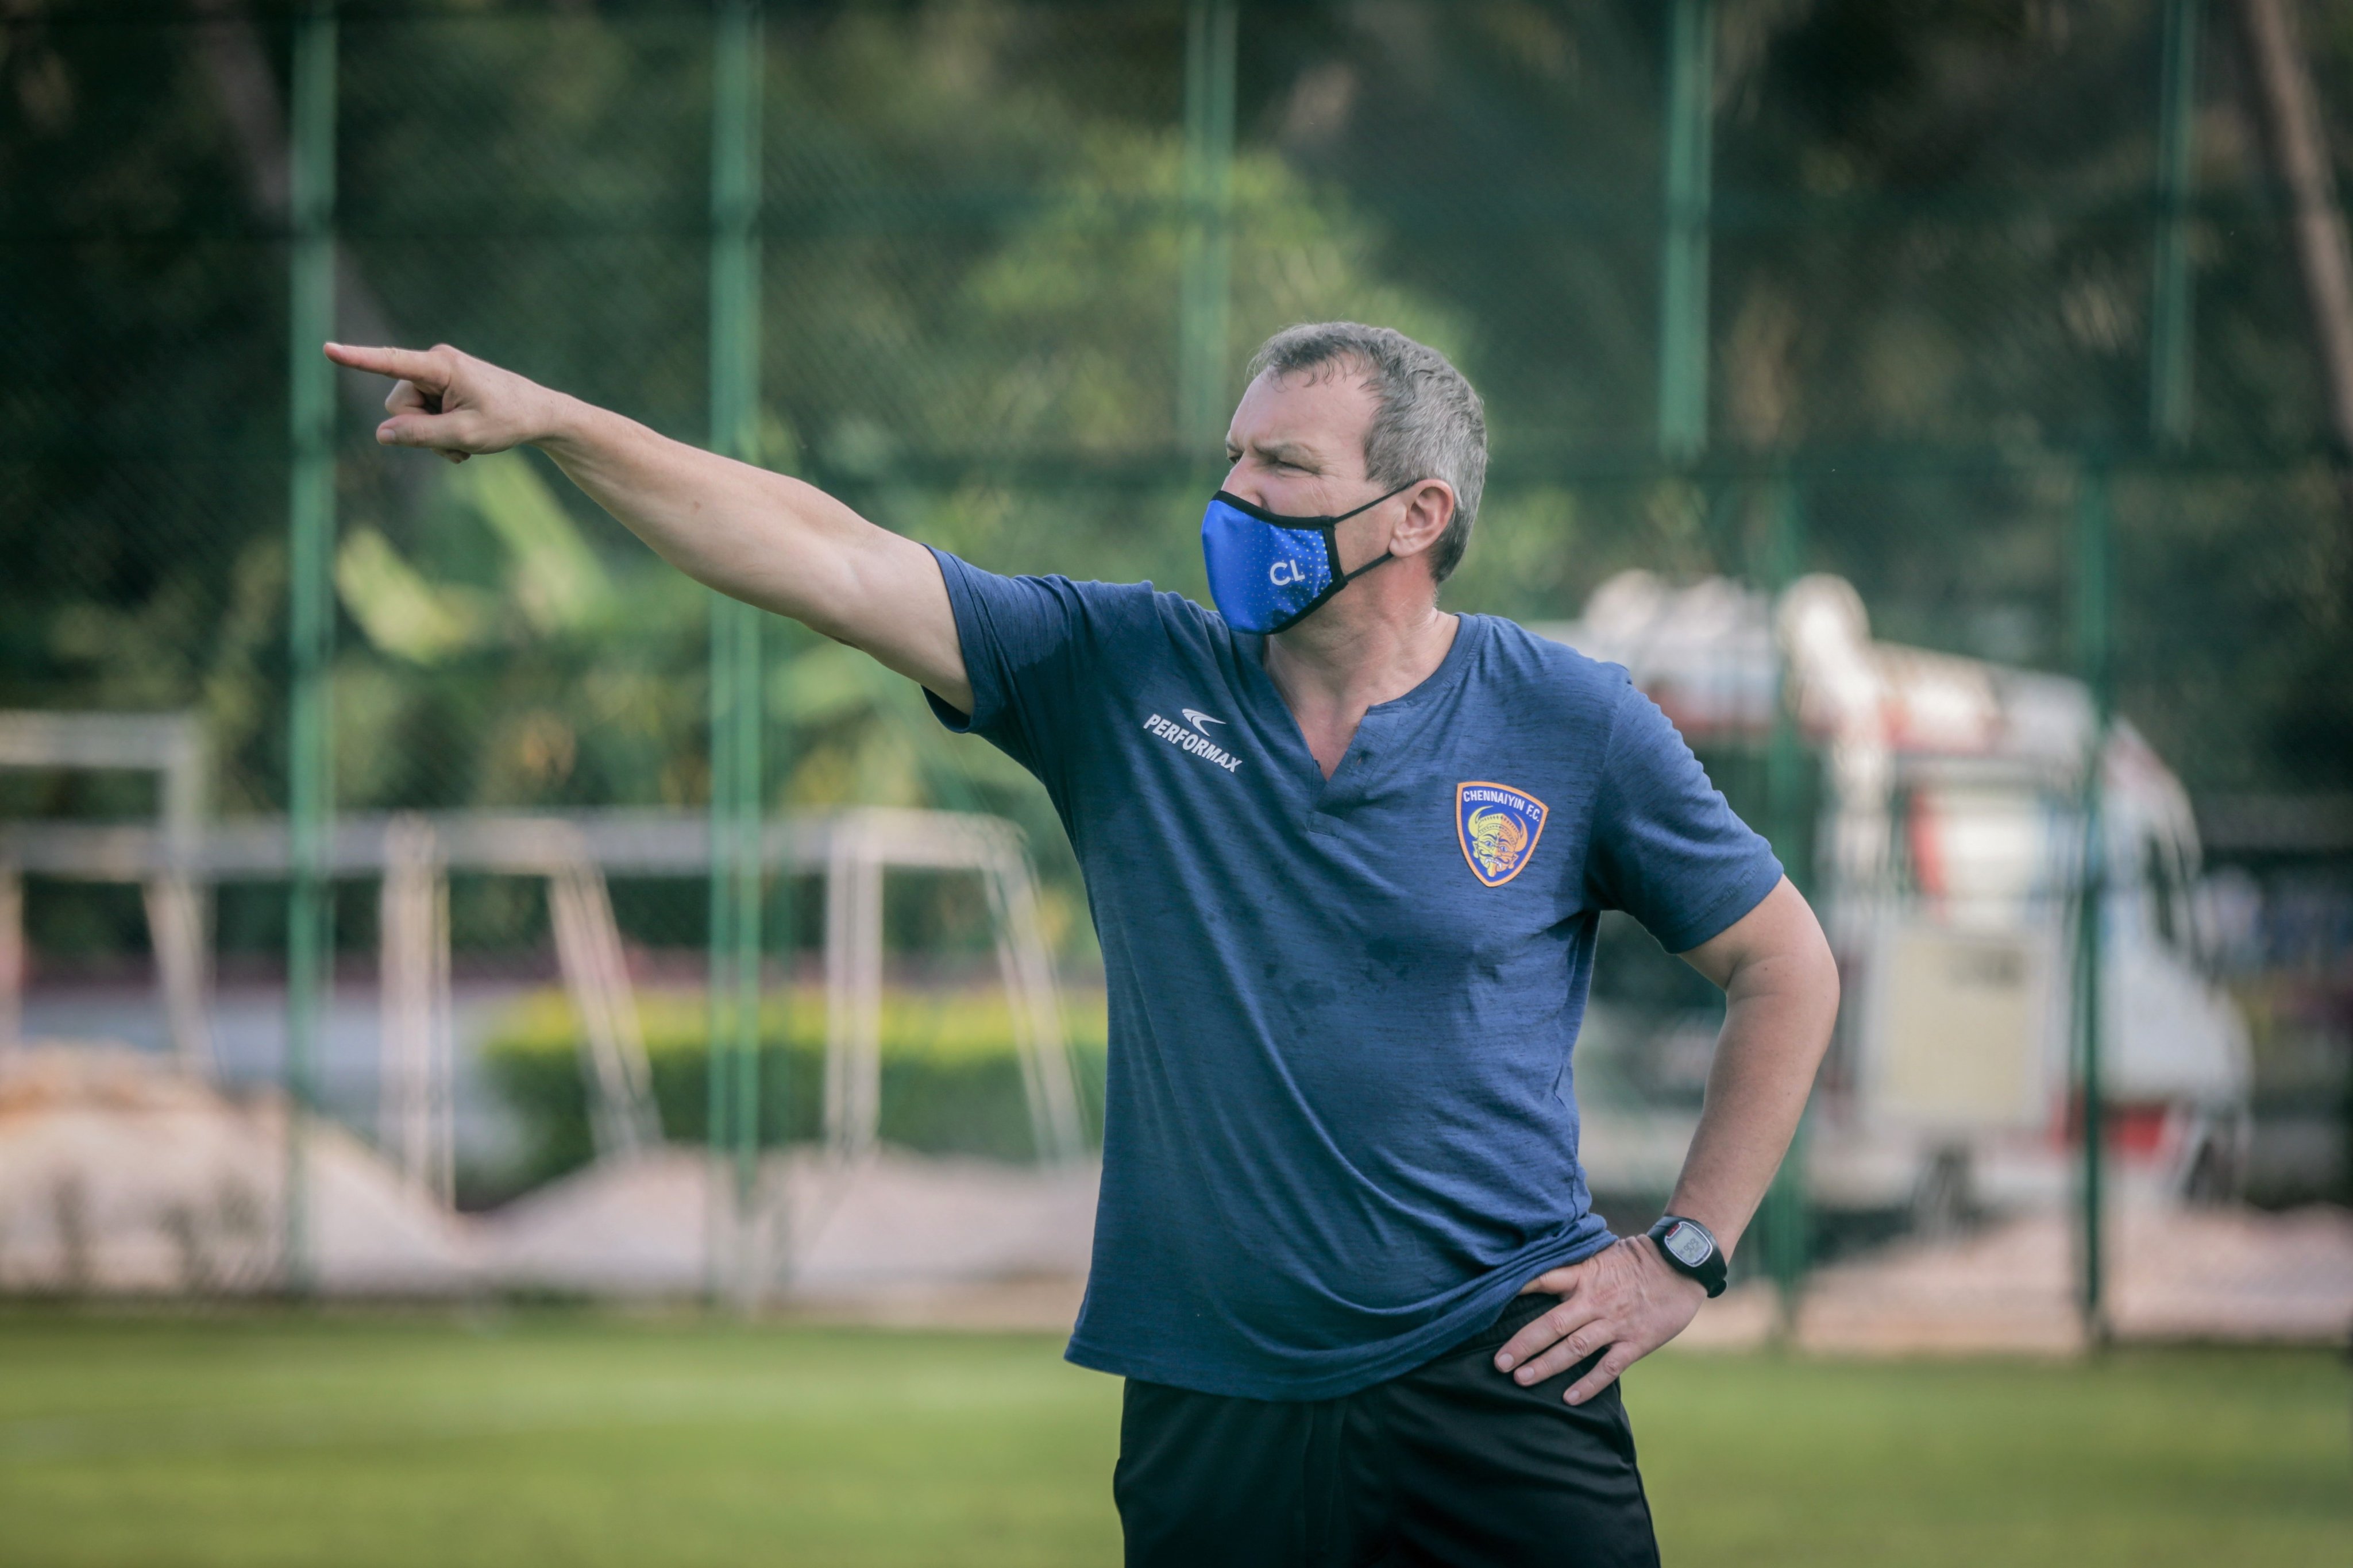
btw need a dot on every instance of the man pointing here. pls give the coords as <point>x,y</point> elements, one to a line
<point>1347,854</point>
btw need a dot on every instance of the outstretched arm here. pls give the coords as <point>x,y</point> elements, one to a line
<point>1782,994</point>
<point>761,537</point>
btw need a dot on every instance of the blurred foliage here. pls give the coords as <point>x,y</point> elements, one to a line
<point>951,1077</point>
<point>1933,236</point>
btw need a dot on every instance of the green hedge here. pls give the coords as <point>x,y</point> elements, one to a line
<point>950,1078</point>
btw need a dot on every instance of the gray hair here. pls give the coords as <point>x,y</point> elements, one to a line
<point>1429,424</point>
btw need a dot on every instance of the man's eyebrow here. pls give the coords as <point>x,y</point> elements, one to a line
<point>1297,456</point>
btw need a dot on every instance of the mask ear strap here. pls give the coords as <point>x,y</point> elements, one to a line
<point>1332,541</point>
<point>1332,553</point>
<point>1374,502</point>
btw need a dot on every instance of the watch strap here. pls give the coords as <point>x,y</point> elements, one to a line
<point>1678,1240</point>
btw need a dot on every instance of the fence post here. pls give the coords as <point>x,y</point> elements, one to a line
<point>1789,1223</point>
<point>310,505</point>
<point>2170,356</point>
<point>736,699</point>
<point>2095,556</point>
<point>1683,255</point>
<point>1206,195</point>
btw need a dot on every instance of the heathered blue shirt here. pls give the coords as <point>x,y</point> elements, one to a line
<point>1340,1126</point>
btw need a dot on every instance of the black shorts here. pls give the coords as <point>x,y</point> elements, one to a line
<point>1452,1463</point>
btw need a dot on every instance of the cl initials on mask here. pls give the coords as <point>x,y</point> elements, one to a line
<point>1269,571</point>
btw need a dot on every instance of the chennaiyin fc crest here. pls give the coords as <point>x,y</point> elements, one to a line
<point>1499,826</point>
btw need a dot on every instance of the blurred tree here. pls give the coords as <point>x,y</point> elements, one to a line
<point>1934,239</point>
<point>1933,234</point>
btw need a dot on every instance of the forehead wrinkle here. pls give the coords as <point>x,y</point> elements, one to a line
<point>1298,454</point>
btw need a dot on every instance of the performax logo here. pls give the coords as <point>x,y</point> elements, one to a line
<point>1192,740</point>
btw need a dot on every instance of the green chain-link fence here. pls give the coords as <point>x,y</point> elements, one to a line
<point>1932,300</point>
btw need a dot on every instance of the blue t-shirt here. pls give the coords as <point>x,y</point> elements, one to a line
<point>1339,1130</point>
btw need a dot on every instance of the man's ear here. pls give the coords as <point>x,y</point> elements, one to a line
<point>1429,507</point>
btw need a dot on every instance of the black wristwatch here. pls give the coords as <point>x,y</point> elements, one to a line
<point>1690,1248</point>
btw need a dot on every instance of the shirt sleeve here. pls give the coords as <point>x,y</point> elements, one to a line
<point>1024,640</point>
<point>1666,847</point>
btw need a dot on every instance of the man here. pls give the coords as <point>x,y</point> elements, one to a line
<point>1347,853</point>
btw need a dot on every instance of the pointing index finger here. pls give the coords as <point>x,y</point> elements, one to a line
<point>427,370</point>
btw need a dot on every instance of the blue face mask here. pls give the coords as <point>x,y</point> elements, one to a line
<point>1268,572</point>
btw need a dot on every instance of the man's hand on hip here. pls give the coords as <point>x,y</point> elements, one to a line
<point>1628,1298</point>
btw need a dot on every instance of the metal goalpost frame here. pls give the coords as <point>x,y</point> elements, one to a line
<point>416,1111</point>
<point>626,1122</point>
<point>171,746</point>
<point>574,853</point>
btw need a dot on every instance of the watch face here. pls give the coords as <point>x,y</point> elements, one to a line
<point>1689,1244</point>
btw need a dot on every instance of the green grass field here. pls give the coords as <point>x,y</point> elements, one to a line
<point>524,1438</point>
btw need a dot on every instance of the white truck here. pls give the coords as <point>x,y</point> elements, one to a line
<point>1947,855</point>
